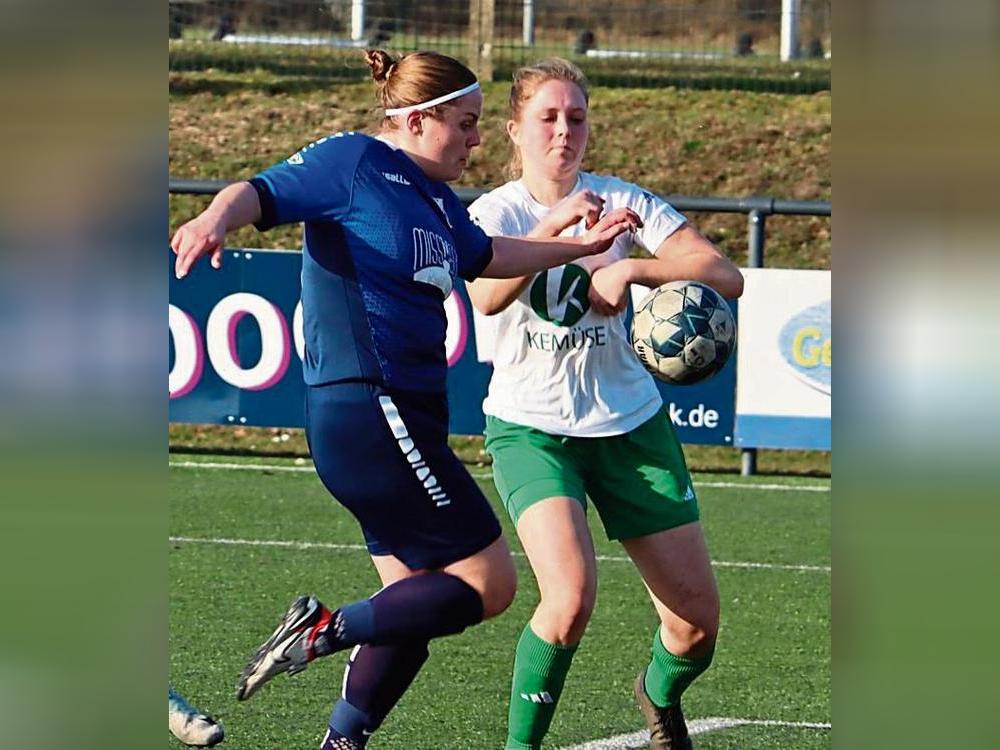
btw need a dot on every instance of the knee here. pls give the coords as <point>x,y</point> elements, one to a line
<point>693,638</point>
<point>498,592</point>
<point>564,618</point>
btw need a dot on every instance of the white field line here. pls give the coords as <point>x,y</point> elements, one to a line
<point>695,726</point>
<point>360,547</point>
<point>241,467</point>
<point>266,543</point>
<point>489,475</point>
<point>779,487</point>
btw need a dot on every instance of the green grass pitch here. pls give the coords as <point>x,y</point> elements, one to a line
<point>229,584</point>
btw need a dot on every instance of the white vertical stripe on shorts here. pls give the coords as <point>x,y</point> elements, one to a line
<point>406,445</point>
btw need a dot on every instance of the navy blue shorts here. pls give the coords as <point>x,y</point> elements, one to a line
<point>384,455</point>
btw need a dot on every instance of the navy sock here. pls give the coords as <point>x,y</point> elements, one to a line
<point>418,608</point>
<point>375,678</point>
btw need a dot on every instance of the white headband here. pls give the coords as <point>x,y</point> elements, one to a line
<point>433,102</point>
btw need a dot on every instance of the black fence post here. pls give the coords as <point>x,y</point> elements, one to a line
<point>756,223</point>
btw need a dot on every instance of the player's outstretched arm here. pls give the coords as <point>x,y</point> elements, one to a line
<point>233,207</point>
<point>515,256</point>
<point>492,296</point>
<point>684,255</point>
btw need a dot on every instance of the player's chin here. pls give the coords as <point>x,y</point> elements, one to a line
<point>571,163</point>
<point>565,166</point>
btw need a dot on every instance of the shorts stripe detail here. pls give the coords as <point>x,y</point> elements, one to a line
<point>413,457</point>
<point>392,417</point>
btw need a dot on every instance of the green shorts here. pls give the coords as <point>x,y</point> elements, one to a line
<point>638,481</point>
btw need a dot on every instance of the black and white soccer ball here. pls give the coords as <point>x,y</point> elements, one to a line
<point>683,332</point>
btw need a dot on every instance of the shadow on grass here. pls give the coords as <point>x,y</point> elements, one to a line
<point>302,80</point>
<point>304,71</point>
<point>714,82</point>
<point>701,459</point>
<point>189,85</point>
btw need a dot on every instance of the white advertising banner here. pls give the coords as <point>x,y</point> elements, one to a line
<point>785,349</point>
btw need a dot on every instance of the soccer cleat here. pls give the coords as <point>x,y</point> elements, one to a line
<point>290,648</point>
<point>190,725</point>
<point>667,730</point>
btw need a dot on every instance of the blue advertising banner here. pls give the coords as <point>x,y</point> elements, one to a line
<point>704,414</point>
<point>236,352</point>
<point>234,349</point>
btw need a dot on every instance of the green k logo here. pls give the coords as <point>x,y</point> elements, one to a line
<point>559,295</point>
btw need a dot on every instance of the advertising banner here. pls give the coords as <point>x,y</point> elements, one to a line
<point>784,390</point>
<point>236,352</point>
<point>236,345</point>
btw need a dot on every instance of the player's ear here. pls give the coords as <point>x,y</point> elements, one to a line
<point>415,122</point>
<point>512,131</point>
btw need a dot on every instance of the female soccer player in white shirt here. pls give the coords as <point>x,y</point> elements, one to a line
<point>571,412</point>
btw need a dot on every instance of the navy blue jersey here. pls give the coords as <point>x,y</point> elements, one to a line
<point>383,245</point>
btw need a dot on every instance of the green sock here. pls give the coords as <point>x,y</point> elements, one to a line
<point>540,670</point>
<point>668,675</point>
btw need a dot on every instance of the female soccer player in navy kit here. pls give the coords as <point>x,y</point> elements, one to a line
<point>385,238</point>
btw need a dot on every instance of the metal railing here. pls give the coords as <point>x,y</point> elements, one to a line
<point>757,210</point>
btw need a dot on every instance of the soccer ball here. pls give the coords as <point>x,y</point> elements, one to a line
<point>683,332</point>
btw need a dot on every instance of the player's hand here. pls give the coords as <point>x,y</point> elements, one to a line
<point>609,289</point>
<point>585,204</point>
<point>203,235</point>
<point>603,233</point>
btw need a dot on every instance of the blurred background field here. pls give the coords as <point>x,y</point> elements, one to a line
<point>696,43</point>
<point>689,98</point>
<point>671,141</point>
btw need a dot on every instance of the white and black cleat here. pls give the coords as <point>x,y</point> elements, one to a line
<point>289,649</point>
<point>191,726</point>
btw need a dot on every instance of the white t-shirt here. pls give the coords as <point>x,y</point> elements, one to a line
<point>559,366</point>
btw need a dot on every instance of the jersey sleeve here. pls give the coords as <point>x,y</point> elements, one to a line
<point>659,218</point>
<point>489,214</point>
<point>474,246</point>
<point>313,184</point>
